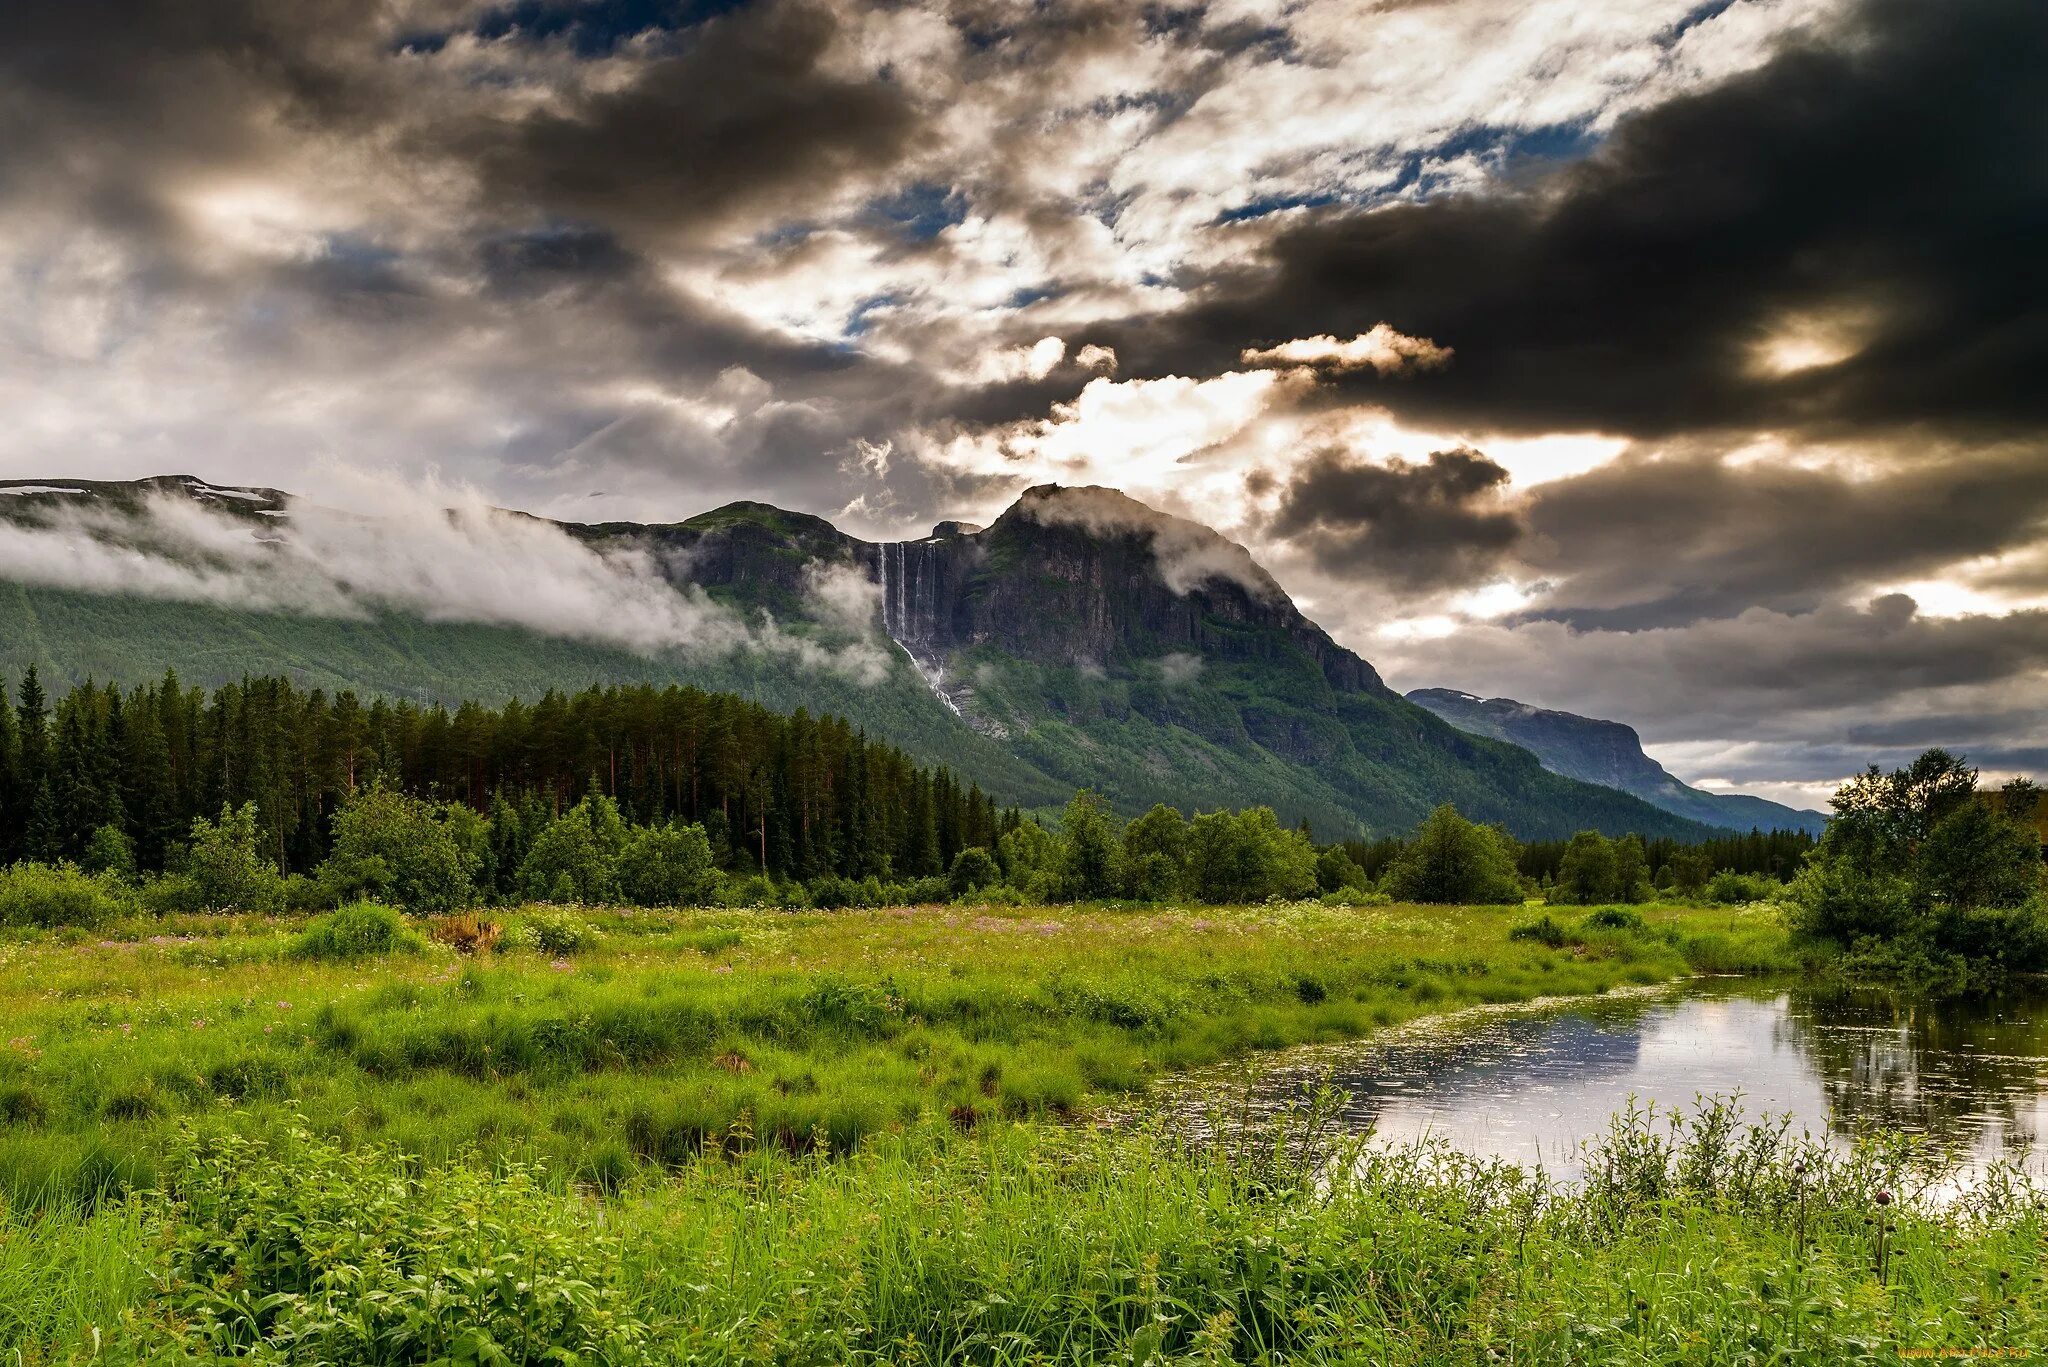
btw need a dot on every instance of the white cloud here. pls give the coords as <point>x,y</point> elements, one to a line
<point>1382,349</point>
<point>431,550</point>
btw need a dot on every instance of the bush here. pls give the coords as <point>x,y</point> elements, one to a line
<point>551,931</point>
<point>973,869</point>
<point>1248,856</point>
<point>1543,931</point>
<point>1614,918</point>
<point>575,858</point>
<point>47,895</point>
<point>2012,938</point>
<point>1728,888</point>
<point>226,871</point>
<point>110,851</point>
<point>393,846</point>
<point>357,931</point>
<point>1354,897</point>
<point>667,866</point>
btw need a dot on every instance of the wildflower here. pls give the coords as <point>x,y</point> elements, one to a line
<point>1883,1198</point>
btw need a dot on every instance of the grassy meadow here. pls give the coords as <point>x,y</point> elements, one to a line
<point>866,1136</point>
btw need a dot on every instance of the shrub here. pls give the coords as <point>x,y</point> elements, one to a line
<point>110,851</point>
<point>226,871</point>
<point>1354,897</point>
<point>1614,918</point>
<point>389,845</point>
<point>357,931</point>
<point>576,857</point>
<point>2013,938</point>
<point>1543,931</point>
<point>1248,856</point>
<point>1589,870</point>
<point>666,866</point>
<point>974,868</point>
<point>1728,888</point>
<point>47,895</point>
<point>551,931</point>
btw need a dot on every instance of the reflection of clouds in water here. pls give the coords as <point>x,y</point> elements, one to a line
<point>1966,1076</point>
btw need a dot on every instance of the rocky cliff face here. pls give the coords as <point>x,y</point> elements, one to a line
<point>1089,578</point>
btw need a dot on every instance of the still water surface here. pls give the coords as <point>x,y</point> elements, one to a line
<point>1970,1076</point>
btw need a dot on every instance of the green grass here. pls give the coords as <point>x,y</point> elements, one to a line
<point>759,1137</point>
<point>669,1028</point>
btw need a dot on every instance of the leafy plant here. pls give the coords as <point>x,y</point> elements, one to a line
<point>299,1251</point>
<point>359,930</point>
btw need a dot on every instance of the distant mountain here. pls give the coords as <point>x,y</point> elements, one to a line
<point>1082,639</point>
<point>1611,755</point>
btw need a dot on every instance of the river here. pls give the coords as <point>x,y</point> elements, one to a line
<point>1968,1076</point>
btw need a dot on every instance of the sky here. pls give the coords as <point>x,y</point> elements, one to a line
<point>1673,361</point>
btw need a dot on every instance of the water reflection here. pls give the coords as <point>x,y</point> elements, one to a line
<point>1968,1076</point>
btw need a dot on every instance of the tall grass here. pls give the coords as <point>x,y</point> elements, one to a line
<point>1711,1243</point>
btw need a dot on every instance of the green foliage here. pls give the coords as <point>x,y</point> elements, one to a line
<point>297,1251</point>
<point>1248,857</point>
<point>359,930</point>
<point>1088,848</point>
<point>576,858</point>
<point>1028,855</point>
<point>1336,870</point>
<point>225,870</point>
<point>1544,931</point>
<point>1708,1241</point>
<point>45,896</point>
<point>973,870</point>
<point>666,866</point>
<point>1589,872</point>
<point>1728,888</point>
<point>1614,918</point>
<point>109,850</point>
<point>1977,856</point>
<point>400,848</point>
<point>1631,869</point>
<point>1921,873</point>
<point>1452,860</point>
<point>554,931</point>
<point>810,795</point>
<point>1155,854</point>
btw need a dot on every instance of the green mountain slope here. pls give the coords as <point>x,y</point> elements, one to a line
<point>1082,640</point>
<point>1611,754</point>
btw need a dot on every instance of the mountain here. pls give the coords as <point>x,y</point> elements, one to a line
<point>1610,754</point>
<point>1082,639</point>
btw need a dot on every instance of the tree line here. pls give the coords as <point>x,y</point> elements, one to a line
<point>261,795</point>
<point>793,797</point>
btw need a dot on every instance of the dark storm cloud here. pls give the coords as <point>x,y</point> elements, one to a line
<point>1436,524</point>
<point>1891,188</point>
<point>1661,542</point>
<point>744,112</point>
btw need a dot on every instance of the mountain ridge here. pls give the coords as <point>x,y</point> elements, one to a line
<point>1608,753</point>
<point>1081,639</point>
